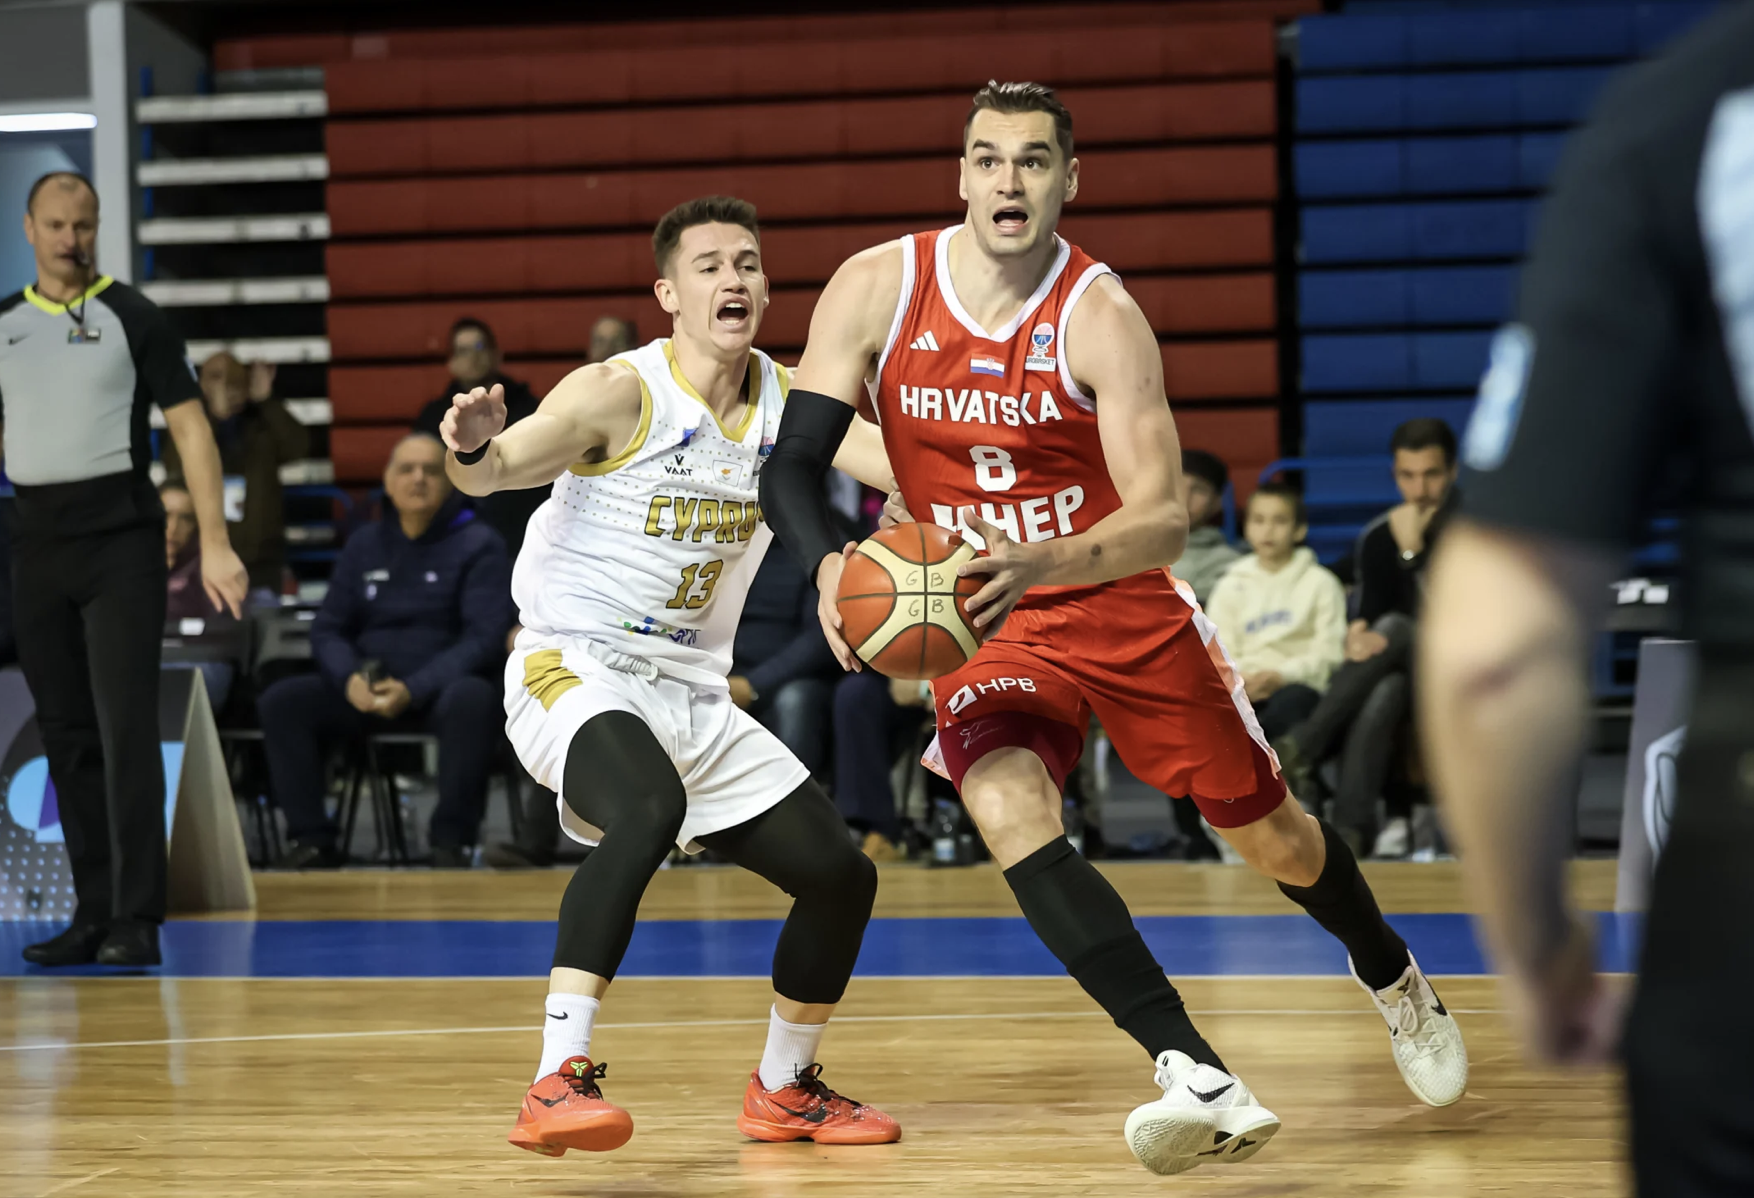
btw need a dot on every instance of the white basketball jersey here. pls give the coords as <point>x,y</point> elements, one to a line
<point>651,552</point>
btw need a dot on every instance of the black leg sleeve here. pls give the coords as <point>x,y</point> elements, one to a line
<point>618,779</point>
<point>1342,903</point>
<point>1087,926</point>
<point>801,845</point>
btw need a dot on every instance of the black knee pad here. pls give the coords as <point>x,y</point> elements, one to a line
<point>620,780</point>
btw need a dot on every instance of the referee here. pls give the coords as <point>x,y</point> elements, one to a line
<point>1633,365</point>
<point>82,359</point>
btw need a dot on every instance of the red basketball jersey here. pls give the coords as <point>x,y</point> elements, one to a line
<point>992,420</point>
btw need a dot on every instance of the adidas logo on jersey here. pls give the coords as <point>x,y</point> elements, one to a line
<point>926,341</point>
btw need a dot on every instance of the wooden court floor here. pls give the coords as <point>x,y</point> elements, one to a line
<point>199,1087</point>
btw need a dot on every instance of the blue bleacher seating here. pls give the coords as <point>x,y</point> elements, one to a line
<point>1416,232</point>
<point>1450,100</point>
<point>1408,298</point>
<point>1426,165</point>
<point>1370,38</point>
<point>1448,361</point>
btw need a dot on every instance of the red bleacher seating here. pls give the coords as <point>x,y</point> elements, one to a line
<point>775,132</point>
<point>475,266</point>
<point>297,50</point>
<point>513,175</point>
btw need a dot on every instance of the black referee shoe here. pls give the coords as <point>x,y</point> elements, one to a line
<point>77,945</point>
<point>131,944</point>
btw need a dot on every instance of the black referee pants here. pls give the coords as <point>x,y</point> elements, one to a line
<point>89,613</point>
<point>1689,1059</point>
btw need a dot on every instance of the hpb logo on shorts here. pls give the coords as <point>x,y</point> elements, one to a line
<point>968,694</point>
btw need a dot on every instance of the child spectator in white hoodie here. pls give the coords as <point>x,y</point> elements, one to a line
<point>1281,614</point>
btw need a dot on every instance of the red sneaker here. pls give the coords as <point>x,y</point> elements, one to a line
<point>566,1109</point>
<point>808,1110</point>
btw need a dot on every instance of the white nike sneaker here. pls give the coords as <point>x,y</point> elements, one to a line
<point>1205,1115</point>
<point>1427,1043</point>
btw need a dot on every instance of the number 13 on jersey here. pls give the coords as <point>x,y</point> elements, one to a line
<point>697,586</point>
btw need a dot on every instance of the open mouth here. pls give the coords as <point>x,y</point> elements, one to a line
<point>1010,220</point>
<point>734,312</point>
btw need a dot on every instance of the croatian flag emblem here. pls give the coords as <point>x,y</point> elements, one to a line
<point>990,366</point>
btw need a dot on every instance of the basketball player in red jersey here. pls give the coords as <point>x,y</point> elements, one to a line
<point>1021,396</point>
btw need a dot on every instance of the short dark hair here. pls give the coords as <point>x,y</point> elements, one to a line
<point>30,201</point>
<point>471,322</point>
<point>707,210</point>
<point>1424,433</point>
<point>1209,468</point>
<point>1022,97</point>
<point>1287,492</point>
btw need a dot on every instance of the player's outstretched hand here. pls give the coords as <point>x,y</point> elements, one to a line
<point>894,511</point>
<point>828,611</point>
<point>474,419</point>
<point>1011,569</point>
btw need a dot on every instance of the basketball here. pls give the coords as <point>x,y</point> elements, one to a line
<point>903,608</point>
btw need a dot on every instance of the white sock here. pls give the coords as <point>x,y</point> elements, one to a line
<point>566,1030</point>
<point>791,1049</point>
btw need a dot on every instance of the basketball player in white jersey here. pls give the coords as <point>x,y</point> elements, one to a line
<point>629,586</point>
<point>1050,441</point>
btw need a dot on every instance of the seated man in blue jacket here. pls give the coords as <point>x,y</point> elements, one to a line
<point>782,670</point>
<point>410,634</point>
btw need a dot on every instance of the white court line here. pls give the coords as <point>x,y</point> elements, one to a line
<point>53,1046</point>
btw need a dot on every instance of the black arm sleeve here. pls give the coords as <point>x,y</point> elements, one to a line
<point>793,500</point>
<point>1570,428</point>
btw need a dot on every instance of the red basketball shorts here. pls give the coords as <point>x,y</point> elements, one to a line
<point>1140,656</point>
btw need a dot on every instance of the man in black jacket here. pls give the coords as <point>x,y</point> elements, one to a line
<point>411,631</point>
<point>475,362</point>
<point>1369,698</point>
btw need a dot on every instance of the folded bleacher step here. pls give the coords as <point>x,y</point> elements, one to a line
<point>213,230</point>
<point>264,349</point>
<point>233,106</point>
<point>196,293</point>
<point>265,168</point>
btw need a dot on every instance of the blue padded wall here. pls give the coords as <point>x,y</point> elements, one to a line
<point>1426,131</point>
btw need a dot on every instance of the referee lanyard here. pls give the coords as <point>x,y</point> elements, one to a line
<point>79,334</point>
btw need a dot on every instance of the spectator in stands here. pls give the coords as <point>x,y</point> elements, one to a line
<point>185,597</point>
<point>411,635</point>
<point>1281,614</point>
<point>474,363</point>
<point>256,436</point>
<point>1208,555</point>
<point>870,712</point>
<point>782,670</point>
<point>612,335</point>
<point>1369,698</point>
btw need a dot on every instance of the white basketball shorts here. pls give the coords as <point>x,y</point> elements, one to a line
<point>732,768</point>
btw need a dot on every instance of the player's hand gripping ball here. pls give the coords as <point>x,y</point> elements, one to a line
<point>903,609</point>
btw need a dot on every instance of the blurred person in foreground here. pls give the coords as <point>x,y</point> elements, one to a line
<point>411,629</point>
<point>1634,353</point>
<point>256,435</point>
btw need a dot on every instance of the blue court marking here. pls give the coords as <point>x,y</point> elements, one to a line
<point>1187,945</point>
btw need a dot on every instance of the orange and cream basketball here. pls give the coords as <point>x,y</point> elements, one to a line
<point>903,606</point>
